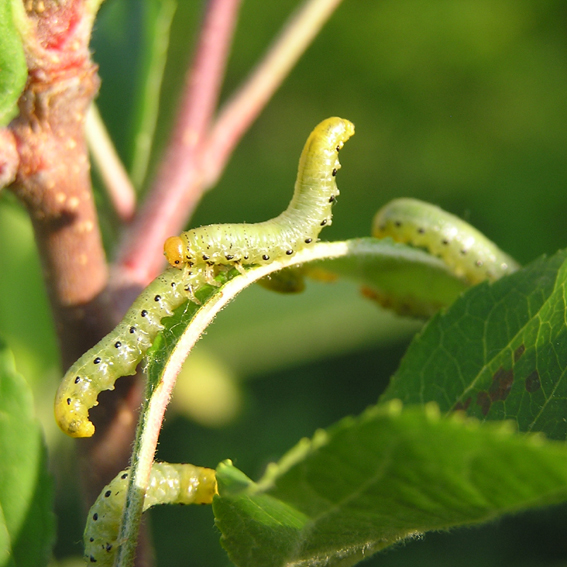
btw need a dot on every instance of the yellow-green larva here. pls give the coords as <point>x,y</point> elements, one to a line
<point>200,252</point>
<point>464,249</point>
<point>297,227</point>
<point>119,353</point>
<point>169,484</point>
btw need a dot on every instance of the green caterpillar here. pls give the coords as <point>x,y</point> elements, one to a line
<point>211,248</point>
<point>169,484</point>
<point>464,249</point>
<point>298,226</point>
<point>119,353</point>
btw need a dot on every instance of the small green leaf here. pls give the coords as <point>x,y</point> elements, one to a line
<point>158,15</point>
<point>371,481</point>
<point>27,526</point>
<point>404,278</point>
<point>13,68</point>
<point>500,352</point>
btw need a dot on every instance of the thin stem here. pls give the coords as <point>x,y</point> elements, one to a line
<point>116,181</point>
<point>173,195</point>
<point>140,470</point>
<point>245,105</point>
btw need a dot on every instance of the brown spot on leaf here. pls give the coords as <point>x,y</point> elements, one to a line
<point>533,382</point>
<point>483,400</point>
<point>519,351</point>
<point>463,406</point>
<point>501,384</point>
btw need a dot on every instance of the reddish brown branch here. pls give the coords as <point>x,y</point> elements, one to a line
<point>53,182</point>
<point>53,178</point>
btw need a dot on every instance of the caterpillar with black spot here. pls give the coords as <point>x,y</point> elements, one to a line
<point>298,226</point>
<point>169,484</point>
<point>465,250</point>
<point>119,353</point>
<point>208,248</point>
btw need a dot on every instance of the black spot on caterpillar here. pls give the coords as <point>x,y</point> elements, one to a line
<point>207,247</point>
<point>298,226</point>
<point>119,353</point>
<point>464,249</point>
<point>169,484</point>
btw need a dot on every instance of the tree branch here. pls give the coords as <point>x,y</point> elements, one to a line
<point>53,182</point>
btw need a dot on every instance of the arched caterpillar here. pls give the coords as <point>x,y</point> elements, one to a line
<point>120,352</point>
<point>464,249</point>
<point>169,484</point>
<point>298,226</point>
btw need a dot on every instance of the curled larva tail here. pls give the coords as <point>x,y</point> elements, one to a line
<point>297,227</point>
<point>467,252</point>
<point>169,484</point>
<point>119,353</point>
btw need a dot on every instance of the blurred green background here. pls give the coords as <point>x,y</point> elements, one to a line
<point>458,102</point>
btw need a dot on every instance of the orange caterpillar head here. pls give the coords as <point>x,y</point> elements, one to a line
<point>173,249</point>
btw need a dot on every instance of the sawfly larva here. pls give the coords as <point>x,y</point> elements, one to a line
<point>467,252</point>
<point>297,227</point>
<point>169,484</point>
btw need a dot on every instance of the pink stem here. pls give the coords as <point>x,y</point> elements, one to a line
<point>176,188</point>
<point>245,105</point>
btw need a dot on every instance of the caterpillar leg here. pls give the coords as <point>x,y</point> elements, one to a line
<point>210,275</point>
<point>193,279</point>
<point>239,267</point>
<point>189,290</point>
<point>169,484</point>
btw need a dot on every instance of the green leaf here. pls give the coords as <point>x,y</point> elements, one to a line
<point>13,68</point>
<point>410,278</point>
<point>500,352</point>
<point>161,358</point>
<point>309,323</point>
<point>400,277</point>
<point>157,15</point>
<point>371,481</point>
<point>27,526</point>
